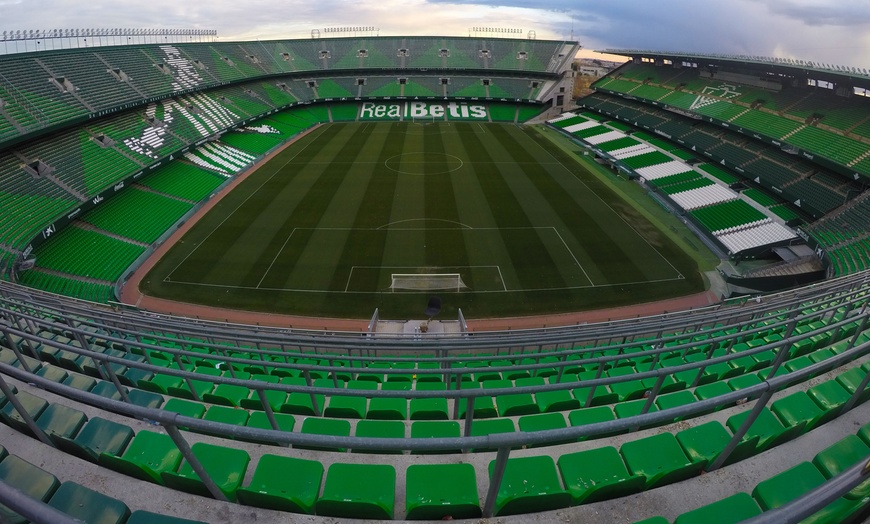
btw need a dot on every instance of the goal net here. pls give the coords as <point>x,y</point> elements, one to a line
<point>427,282</point>
<point>425,119</point>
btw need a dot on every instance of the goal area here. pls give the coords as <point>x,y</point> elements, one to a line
<point>427,282</point>
<point>426,119</point>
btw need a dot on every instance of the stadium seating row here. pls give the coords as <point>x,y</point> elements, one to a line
<point>790,177</point>
<point>599,471</point>
<point>718,209</point>
<point>824,131</point>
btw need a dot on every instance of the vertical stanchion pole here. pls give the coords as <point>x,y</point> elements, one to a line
<point>194,462</point>
<point>495,482</point>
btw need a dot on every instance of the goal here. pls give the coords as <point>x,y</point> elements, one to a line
<point>425,119</point>
<point>427,282</point>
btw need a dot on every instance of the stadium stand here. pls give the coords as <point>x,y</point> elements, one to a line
<point>587,416</point>
<point>780,115</point>
<point>714,359</point>
<point>788,176</point>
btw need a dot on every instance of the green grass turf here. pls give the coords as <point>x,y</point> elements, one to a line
<point>320,229</point>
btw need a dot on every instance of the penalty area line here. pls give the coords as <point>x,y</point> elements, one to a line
<point>278,254</point>
<point>573,256</point>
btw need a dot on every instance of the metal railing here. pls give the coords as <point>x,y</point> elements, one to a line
<point>502,442</point>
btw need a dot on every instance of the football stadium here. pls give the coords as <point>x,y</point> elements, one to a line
<point>347,278</point>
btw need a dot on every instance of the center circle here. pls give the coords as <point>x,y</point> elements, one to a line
<point>421,163</point>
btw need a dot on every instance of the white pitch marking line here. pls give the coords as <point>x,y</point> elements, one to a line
<point>323,129</point>
<point>500,276</point>
<point>680,275</point>
<point>572,256</point>
<point>276,258</point>
<point>349,276</point>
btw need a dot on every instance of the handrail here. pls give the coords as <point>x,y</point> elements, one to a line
<point>504,442</point>
<point>32,509</point>
<point>428,444</point>
<point>817,498</point>
<point>780,345</point>
<point>493,340</point>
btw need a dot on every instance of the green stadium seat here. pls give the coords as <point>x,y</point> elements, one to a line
<point>850,380</point>
<point>543,422</point>
<point>276,399</point>
<point>660,459</point>
<point>675,399</point>
<point>226,467</point>
<point>597,474</point>
<point>794,482</point>
<point>226,415</point>
<point>80,382</point>
<point>107,389</point>
<point>380,429</point>
<point>631,408</point>
<point>601,396</point>
<point>284,484</point>
<point>183,390</point>
<point>552,401</point>
<point>160,383</point>
<point>61,421</point>
<point>729,510</point>
<point>582,417</point>
<point>147,456</point>
<point>839,457</point>
<point>798,408</point>
<point>88,505</point>
<point>484,427</point>
<point>32,480</point>
<point>227,395</point>
<point>188,408</point>
<point>441,492</point>
<point>33,405</point>
<point>766,427</point>
<point>707,441</point>
<point>345,496</point>
<point>259,420</point>
<point>97,436</point>
<point>429,409</point>
<point>145,399</point>
<point>529,485</point>
<point>864,433</point>
<point>342,406</point>
<point>383,408</point>
<point>744,381</point>
<point>325,426</point>
<point>484,406</point>
<point>53,373</point>
<point>435,429</point>
<point>830,396</point>
<point>512,405</point>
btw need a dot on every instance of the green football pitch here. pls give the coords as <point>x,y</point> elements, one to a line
<point>512,224</point>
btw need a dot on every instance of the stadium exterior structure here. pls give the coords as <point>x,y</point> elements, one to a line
<point>740,362</point>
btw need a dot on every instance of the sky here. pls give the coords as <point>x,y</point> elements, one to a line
<point>828,31</point>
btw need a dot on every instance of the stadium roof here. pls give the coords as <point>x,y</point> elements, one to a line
<point>853,73</point>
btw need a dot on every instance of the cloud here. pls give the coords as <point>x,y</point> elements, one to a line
<point>820,13</point>
<point>819,30</point>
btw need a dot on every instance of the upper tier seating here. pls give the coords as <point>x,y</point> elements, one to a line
<point>809,118</point>
<point>786,175</point>
<point>40,90</point>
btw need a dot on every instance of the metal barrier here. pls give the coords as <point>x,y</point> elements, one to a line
<point>502,442</point>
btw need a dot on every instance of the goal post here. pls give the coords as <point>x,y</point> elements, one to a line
<point>425,119</point>
<point>427,282</point>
